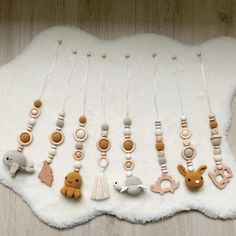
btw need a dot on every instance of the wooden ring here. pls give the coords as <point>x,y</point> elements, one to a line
<point>57,138</point>
<point>188,153</point>
<point>103,144</point>
<point>78,155</point>
<point>128,145</point>
<point>185,133</point>
<point>25,138</point>
<point>34,112</point>
<point>80,134</point>
<point>128,165</point>
<point>103,162</point>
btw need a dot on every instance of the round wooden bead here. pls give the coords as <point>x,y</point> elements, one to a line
<point>80,134</point>
<point>213,124</point>
<point>57,138</point>
<point>78,155</point>
<point>34,112</point>
<point>103,144</point>
<point>25,138</point>
<point>82,119</point>
<point>128,145</point>
<point>160,146</point>
<point>37,103</point>
<point>128,165</point>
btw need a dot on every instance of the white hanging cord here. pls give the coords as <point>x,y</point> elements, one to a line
<point>155,93</point>
<point>51,70</point>
<point>85,84</point>
<point>128,77</point>
<point>103,87</point>
<point>69,80</point>
<point>174,58</point>
<point>204,82</point>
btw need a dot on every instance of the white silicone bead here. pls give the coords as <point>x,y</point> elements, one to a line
<point>158,132</point>
<point>128,156</point>
<point>32,121</point>
<point>52,152</point>
<point>49,160</point>
<point>80,134</point>
<point>128,173</point>
<point>127,131</point>
<point>218,158</point>
<point>77,164</point>
<point>190,168</point>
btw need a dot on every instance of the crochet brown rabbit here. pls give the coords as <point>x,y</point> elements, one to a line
<point>193,179</point>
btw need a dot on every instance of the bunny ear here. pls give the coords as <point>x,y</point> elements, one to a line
<point>182,170</point>
<point>201,169</point>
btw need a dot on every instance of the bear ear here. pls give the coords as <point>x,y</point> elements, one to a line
<point>182,170</point>
<point>201,169</point>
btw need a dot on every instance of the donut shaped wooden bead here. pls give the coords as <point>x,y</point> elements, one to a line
<point>103,162</point>
<point>103,144</point>
<point>128,165</point>
<point>128,145</point>
<point>82,119</point>
<point>188,153</point>
<point>37,103</point>
<point>34,112</point>
<point>185,133</point>
<point>80,134</point>
<point>57,138</point>
<point>78,155</point>
<point>213,124</point>
<point>25,138</point>
<point>160,146</point>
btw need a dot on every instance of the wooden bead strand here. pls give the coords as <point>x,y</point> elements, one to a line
<point>222,171</point>
<point>57,137</point>
<point>101,189</point>
<point>25,138</point>
<point>160,147</point>
<point>73,180</point>
<point>193,178</point>
<point>132,184</point>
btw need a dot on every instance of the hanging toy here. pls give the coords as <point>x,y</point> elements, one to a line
<point>15,160</point>
<point>132,184</point>
<point>222,171</point>
<point>173,185</point>
<point>193,178</point>
<point>101,189</point>
<point>73,180</point>
<point>57,137</point>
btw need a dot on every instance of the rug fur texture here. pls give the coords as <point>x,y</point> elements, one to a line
<point>19,86</point>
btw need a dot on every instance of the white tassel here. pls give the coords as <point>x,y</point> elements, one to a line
<point>100,187</point>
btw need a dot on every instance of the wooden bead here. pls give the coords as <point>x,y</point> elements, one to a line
<point>37,103</point>
<point>213,124</point>
<point>82,119</point>
<point>25,138</point>
<point>160,146</point>
<point>78,155</point>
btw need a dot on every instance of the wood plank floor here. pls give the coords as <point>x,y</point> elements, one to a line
<point>189,21</point>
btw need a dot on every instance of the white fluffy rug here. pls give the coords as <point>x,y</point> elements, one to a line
<point>19,83</point>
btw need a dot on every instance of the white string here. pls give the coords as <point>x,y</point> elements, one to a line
<point>103,88</point>
<point>205,83</point>
<point>68,81</point>
<point>85,84</point>
<point>51,70</point>
<point>155,90</point>
<point>128,77</point>
<point>178,86</point>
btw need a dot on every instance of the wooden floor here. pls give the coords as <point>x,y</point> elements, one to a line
<point>189,21</point>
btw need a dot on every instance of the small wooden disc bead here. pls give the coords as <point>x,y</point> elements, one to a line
<point>37,103</point>
<point>128,165</point>
<point>103,144</point>
<point>78,155</point>
<point>213,124</point>
<point>57,138</point>
<point>128,145</point>
<point>82,119</point>
<point>160,146</point>
<point>25,138</point>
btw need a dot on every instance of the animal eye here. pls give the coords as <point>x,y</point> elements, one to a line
<point>189,180</point>
<point>66,177</point>
<point>77,180</point>
<point>115,182</point>
<point>7,158</point>
<point>201,177</point>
